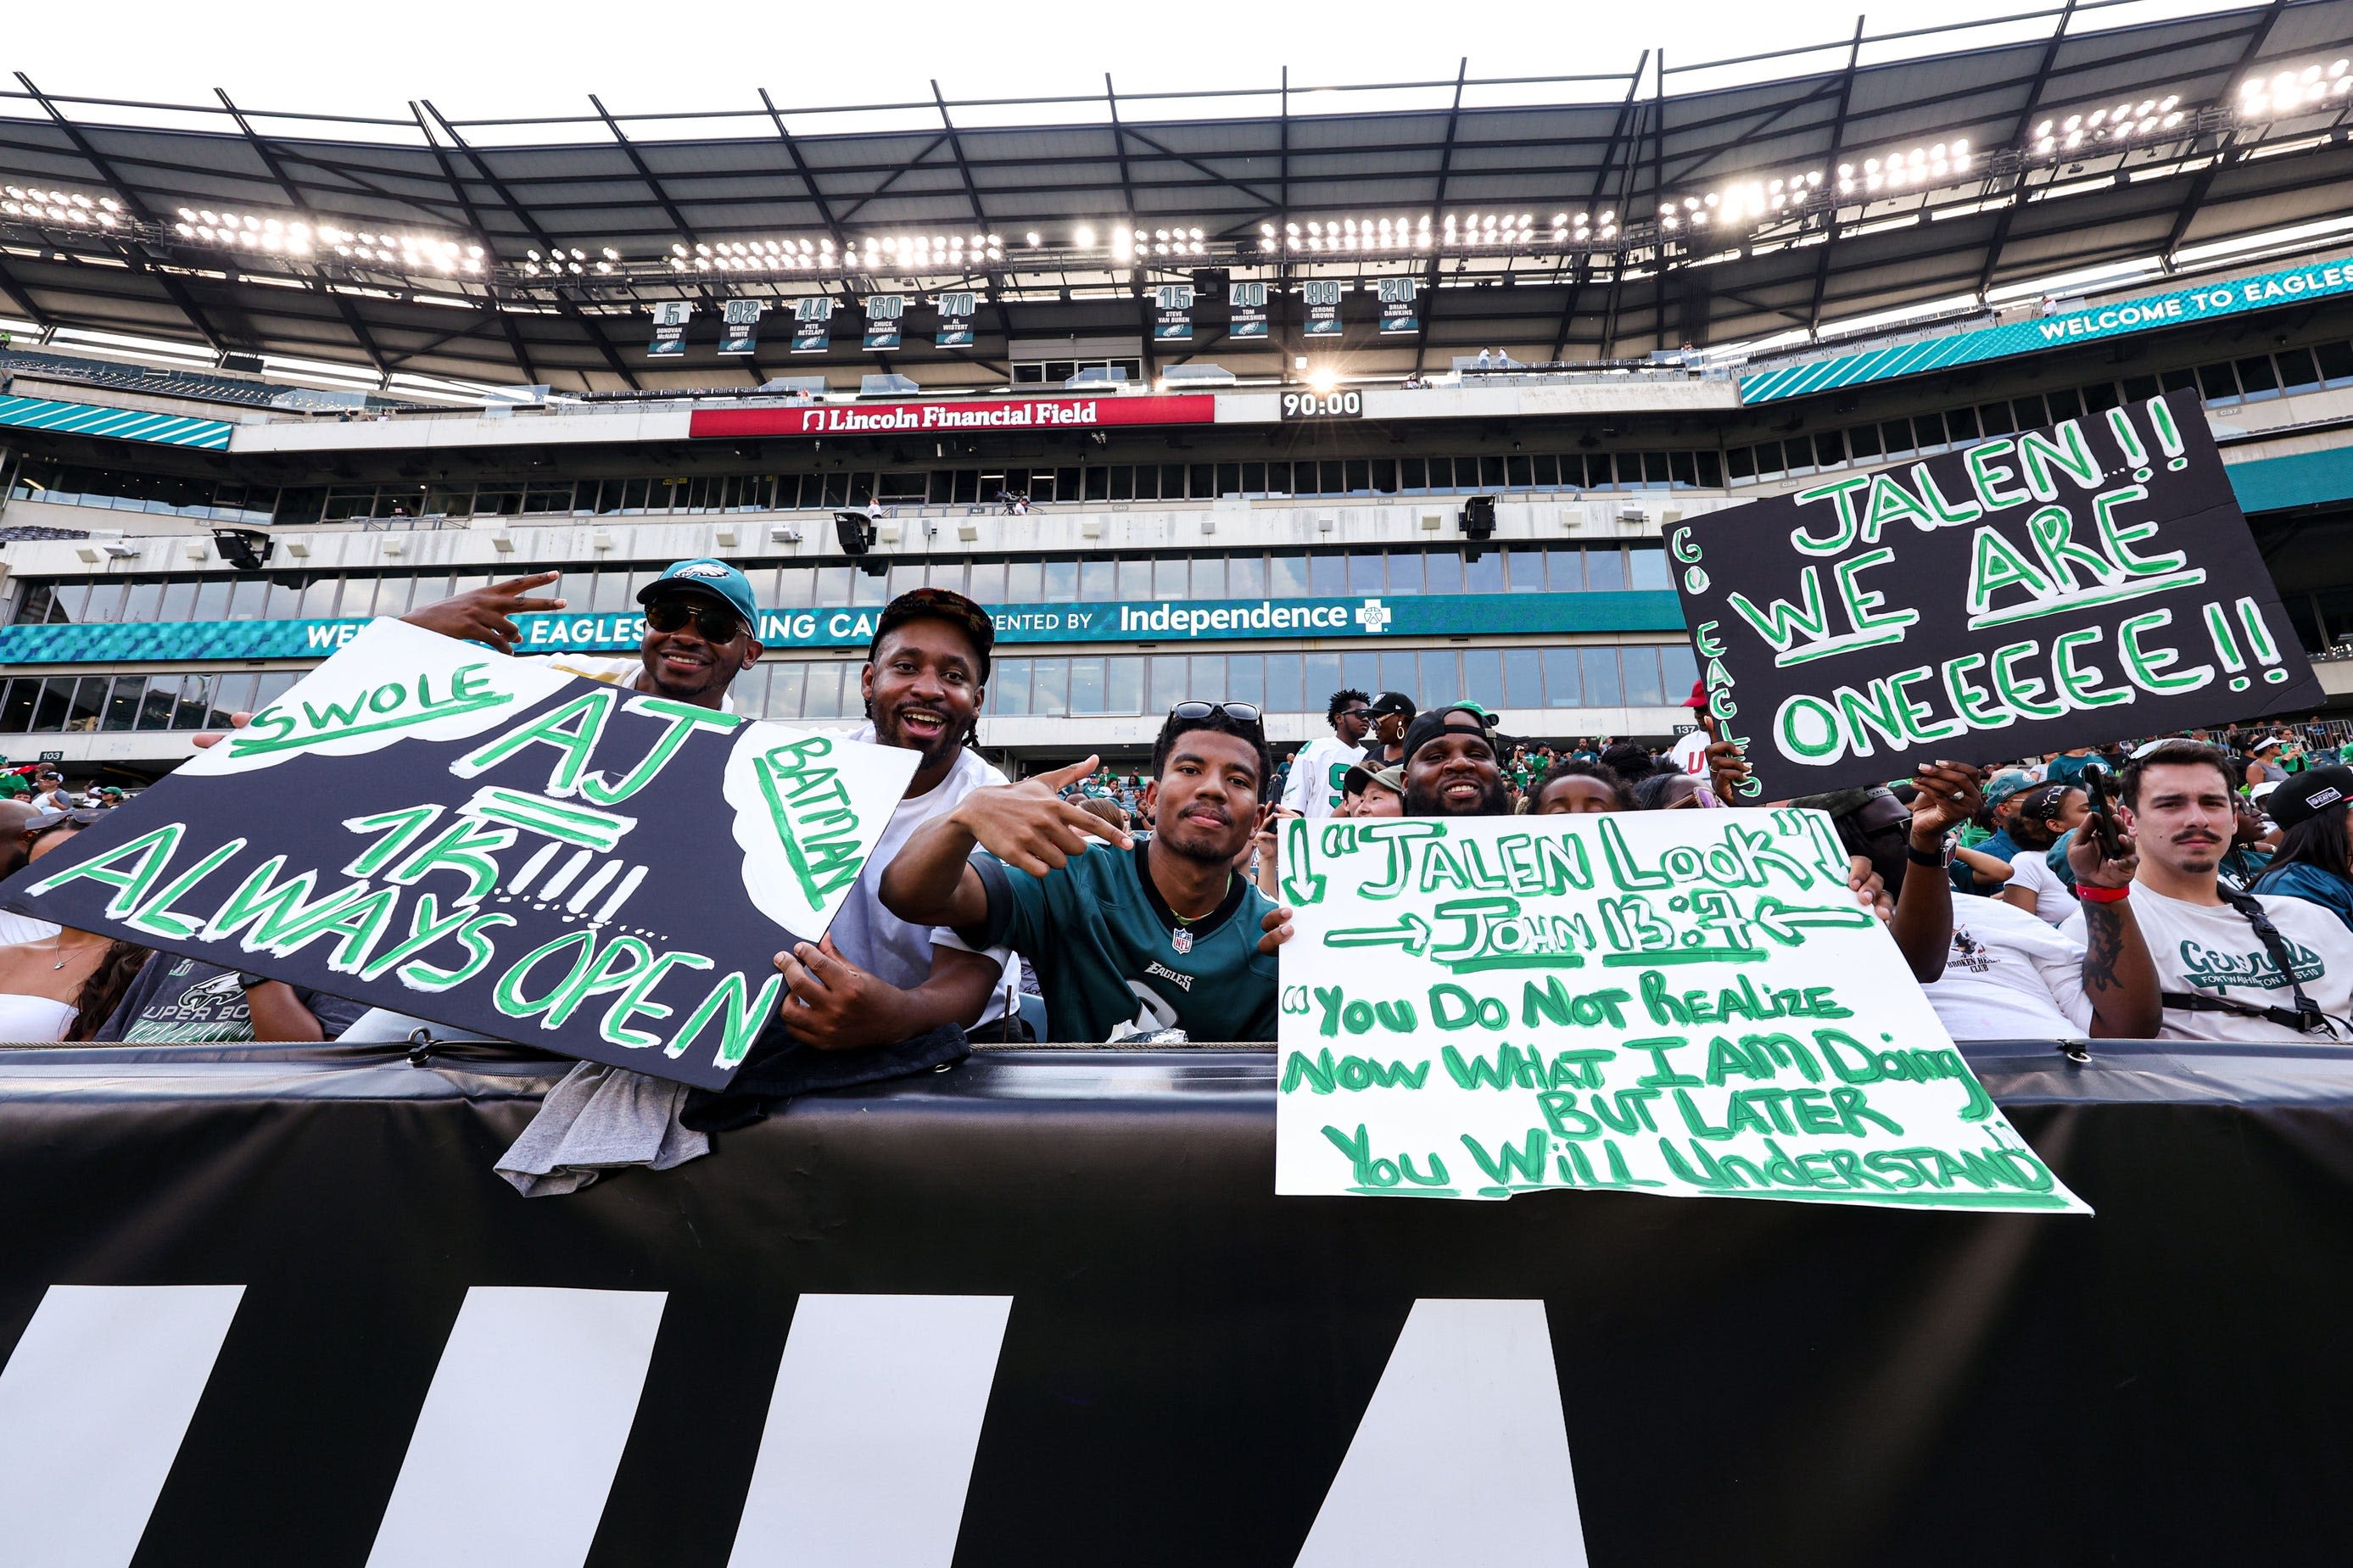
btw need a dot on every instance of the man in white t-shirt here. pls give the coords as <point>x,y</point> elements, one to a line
<point>1313,789</point>
<point>2220,979</point>
<point>1994,972</point>
<point>1689,753</point>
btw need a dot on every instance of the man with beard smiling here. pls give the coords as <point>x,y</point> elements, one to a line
<point>1450,767</point>
<point>2232,965</point>
<point>1127,935</point>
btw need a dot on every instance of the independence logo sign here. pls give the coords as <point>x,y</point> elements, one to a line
<point>1454,614</point>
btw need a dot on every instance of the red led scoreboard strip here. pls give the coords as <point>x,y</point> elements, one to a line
<point>951,414</point>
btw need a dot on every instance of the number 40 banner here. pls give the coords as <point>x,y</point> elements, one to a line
<point>1685,1003</point>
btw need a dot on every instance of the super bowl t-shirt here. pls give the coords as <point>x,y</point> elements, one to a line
<point>180,1000</point>
<point>1313,787</point>
<point>2007,976</point>
<point>1110,956</point>
<point>2210,951</point>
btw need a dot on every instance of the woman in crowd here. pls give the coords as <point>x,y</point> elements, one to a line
<point>2046,814</point>
<point>63,986</point>
<point>2315,862</point>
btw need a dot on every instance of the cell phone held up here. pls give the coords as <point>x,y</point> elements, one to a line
<point>2099,787</point>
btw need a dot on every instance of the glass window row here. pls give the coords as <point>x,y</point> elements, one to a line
<point>1126,685</point>
<point>2246,378</point>
<point>2249,378</point>
<point>70,704</point>
<point>1073,686</point>
<point>1037,580</point>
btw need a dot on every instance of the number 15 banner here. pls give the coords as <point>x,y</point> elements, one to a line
<point>2089,581</point>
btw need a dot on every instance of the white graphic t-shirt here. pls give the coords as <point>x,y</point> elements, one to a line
<point>2212,951</point>
<point>1313,789</point>
<point>2010,977</point>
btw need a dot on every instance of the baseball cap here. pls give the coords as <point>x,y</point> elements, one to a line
<point>940,604</point>
<point>1356,779</point>
<point>2005,785</point>
<point>1389,702</point>
<point>716,578</point>
<point>2308,794</point>
<point>1432,724</point>
<point>1391,778</point>
<point>1698,699</point>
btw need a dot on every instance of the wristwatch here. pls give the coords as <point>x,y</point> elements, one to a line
<point>247,980</point>
<point>1940,857</point>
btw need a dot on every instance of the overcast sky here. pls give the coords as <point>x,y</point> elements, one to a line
<point>479,58</point>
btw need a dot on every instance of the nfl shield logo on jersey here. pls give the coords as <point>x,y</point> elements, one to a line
<point>1182,941</point>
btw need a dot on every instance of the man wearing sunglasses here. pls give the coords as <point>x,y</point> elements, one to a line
<point>1127,935</point>
<point>702,630</point>
<point>1313,789</point>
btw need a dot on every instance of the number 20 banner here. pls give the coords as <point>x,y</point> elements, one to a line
<point>2090,582</point>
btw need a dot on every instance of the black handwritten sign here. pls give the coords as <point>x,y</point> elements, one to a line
<point>483,842</point>
<point>2091,581</point>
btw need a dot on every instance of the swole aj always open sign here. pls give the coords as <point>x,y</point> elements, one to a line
<point>432,827</point>
<point>2086,583</point>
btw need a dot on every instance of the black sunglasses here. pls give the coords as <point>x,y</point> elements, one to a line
<point>712,623</point>
<point>82,817</point>
<point>1194,708</point>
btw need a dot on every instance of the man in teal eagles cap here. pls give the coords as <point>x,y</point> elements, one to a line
<point>701,629</point>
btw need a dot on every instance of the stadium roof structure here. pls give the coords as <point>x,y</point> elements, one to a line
<point>1556,219</point>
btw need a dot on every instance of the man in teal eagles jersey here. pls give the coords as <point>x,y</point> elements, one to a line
<point>1126,934</point>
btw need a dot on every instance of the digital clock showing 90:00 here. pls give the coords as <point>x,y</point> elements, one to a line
<point>1323,406</point>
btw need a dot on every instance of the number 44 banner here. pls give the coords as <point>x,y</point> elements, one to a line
<point>1685,1003</point>
<point>425,825</point>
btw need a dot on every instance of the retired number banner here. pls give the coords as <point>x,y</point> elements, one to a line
<point>423,825</point>
<point>2090,582</point>
<point>1686,1003</point>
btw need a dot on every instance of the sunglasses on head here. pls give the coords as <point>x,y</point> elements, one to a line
<point>1241,712</point>
<point>713,623</point>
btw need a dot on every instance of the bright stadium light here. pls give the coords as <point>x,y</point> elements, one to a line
<point>61,209</point>
<point>1083,237</point>
<point>2295,90</point>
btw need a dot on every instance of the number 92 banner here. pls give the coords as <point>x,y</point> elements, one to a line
<point>2090,582</point>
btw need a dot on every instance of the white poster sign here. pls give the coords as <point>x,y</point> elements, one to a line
<point>1688,1002</point>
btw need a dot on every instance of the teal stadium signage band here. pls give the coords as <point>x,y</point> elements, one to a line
<point>2178,308</point>
<point>1145,620</point>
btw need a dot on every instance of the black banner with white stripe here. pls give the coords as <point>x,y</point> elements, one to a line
<point>270,1305</point>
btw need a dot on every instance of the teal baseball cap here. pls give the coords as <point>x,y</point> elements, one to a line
<point>716,578</point>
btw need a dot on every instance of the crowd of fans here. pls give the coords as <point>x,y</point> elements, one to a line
<point>2194,887</point>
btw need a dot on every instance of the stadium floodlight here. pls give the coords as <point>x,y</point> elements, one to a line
<point>1083,237</point>
<point>2295,90</point>
<point>61,209</point>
